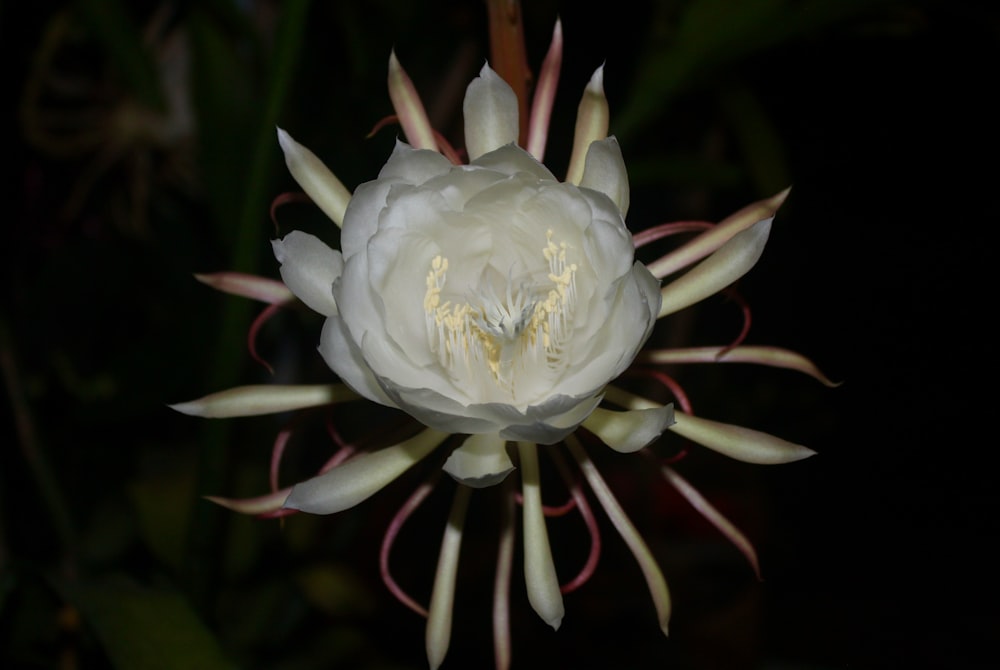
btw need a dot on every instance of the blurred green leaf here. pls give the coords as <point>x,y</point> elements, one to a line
<point>123,43</point>
<point>145,628</point>
<point>760,144</point>
<point>709,34</point>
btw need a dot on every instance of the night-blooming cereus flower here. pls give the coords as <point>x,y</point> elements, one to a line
<point>492,301</point>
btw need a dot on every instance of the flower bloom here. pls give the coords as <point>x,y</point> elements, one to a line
<point>492,301</point>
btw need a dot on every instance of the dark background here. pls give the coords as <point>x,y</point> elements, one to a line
<point>876,553</point>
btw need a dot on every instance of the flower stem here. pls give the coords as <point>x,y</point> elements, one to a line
<point>508,55</point>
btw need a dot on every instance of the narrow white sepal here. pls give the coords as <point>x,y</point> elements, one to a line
<point>592,118</point>
<point>647,562</point>
<point>539,570</point>
<point>315,178</point>
<point>360,477</point>
<point>439,616</point>
<point>264,399</point>
<point>481,461</point>
<point>490,112</point>
<point>727,264</point>
<point>409,108</point>
<point>715,237</point>
<point>631,430</point>
<point>604,171</point>
<point>743,444</point>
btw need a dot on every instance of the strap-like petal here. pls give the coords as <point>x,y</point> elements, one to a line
<point>717,235</point>
<point>357,479</point>
<point>592,118</point>
<point>743,444</point>
<point>264,399</point>
<point>321,185</point>
<point>439,615</point>
<point>409,108</point>
<point>730,262</point>
<point>539,570</point>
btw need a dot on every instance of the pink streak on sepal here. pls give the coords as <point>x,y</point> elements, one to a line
<point>771,356</point>
<point>245,285</point>
<point>667,229</point>
<point>545,95</point>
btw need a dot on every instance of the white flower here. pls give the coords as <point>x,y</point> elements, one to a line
<point>486,298</point>
<point>493,301</point>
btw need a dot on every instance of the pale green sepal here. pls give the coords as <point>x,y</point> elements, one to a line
<point>647,562</point>
<point>409,109</point>
<point>480,462</point>
<point>592,118</point>
<point>729,262</point>
<point>539,569</point>
<point>321,185</point>
<point>490,112</point>
<point>714,516</point>
<point>743,444</point>
<point>264,399</point>
<point>631,430</point>
<point>355,480</point>
<point>715,237</point>
<point>439,615</point>
<point>604,171</point>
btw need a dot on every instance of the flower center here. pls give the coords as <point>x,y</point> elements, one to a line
<point>515,335</point>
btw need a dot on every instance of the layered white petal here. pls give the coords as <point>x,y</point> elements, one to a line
<point>321,185</point>
<point>359,478</point>
<point>490,111</point>
<point>309,268</point>
<point>604,171</point>
<point>632,430</point>
<point>480,461</point>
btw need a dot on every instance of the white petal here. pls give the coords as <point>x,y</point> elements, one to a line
<point>631,430</point>
<point>539,570</point>
<point>490,111</point>
<point>309,268</point>
<point>604,171</point>
<point>729,262</point>
<point>344,357</point>
<point>263,399</point>
<point>321,185</point>
<point>743,444</point>
<point>481,461</point>
<point>348,484</point>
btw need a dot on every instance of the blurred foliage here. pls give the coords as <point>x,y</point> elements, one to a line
<point>142,150</point>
